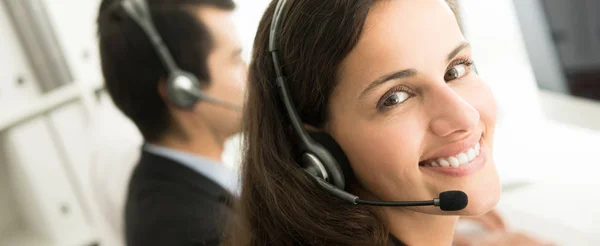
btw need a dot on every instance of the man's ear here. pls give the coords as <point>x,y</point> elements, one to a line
<point>162,90</point>
<point>174,113</point>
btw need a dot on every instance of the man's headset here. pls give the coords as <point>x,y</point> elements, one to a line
<point>322,157</point>
<point>183,88</point>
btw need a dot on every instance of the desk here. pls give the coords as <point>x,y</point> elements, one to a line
<point>566,214</point>
<point>558,169</point>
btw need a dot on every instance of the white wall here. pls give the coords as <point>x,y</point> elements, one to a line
<point>248,15</point>
<point>75,25</point>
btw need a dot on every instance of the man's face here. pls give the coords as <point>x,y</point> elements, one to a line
<point>227,71</point>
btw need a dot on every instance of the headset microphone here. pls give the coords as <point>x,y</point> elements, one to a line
<point>452,200</point>
<point>182,91</point>
<point>447,201</point>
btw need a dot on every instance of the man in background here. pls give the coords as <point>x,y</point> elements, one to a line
<point>178,191</point>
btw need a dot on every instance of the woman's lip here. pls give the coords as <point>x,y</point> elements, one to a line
<point>462,170</point>
<point>454,148</point>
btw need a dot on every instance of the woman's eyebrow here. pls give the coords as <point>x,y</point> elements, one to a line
<point>457,50</point>
<point>383,79</point>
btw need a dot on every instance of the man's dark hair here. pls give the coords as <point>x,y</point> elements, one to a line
<point>131,67</point>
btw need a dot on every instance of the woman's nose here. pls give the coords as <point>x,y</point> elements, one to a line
<point>451,114</point>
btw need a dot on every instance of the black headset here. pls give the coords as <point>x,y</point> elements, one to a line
<point>183,88</point>
<point>320,155</point>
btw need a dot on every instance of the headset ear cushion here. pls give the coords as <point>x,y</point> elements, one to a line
<point>183,89</point>
<point>335,150</point>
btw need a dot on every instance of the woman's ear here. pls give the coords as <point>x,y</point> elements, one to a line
<point>310,128</point>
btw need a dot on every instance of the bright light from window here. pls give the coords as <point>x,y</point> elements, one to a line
<point>247,16</point>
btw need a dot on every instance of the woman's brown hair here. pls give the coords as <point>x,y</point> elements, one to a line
<point>279,203</point>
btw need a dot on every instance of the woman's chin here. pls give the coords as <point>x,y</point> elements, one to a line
<point>482,190</point>
<point>480,206</point>
<point>482,197</point>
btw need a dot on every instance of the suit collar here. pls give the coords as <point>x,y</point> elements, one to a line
<point>211,169</point>
<point>167,170</point>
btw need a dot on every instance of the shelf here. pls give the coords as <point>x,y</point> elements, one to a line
<point>44,104</point>
<point>26,238</point>
<point>17,237</point>
<point>571,110</point>
<point>51,101</point>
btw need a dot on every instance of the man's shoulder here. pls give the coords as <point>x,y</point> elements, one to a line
<point>174,217</point>
<point>186,225</point>
<point>165,188</point>
<point>156,173</point>
<point>180,206</point>
<point>167,194</point>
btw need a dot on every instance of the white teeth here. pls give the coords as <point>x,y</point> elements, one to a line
<point>460,159</point>
<point>471,154</point>
<point>453,161</point>
<point>443,162</point>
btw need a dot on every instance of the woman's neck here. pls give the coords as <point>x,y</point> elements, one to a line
<point>413,228</point>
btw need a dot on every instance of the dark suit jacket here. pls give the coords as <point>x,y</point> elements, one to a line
<point>169,204</point>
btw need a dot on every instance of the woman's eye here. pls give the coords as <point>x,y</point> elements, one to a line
<point>396,98</point>
<point>457,72</point>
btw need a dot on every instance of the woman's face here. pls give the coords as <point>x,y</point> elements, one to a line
<point>411,113</point>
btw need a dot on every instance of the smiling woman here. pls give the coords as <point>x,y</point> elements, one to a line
<point>391,87</point>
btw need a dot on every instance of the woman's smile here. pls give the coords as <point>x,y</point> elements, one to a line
<point>468,161</point>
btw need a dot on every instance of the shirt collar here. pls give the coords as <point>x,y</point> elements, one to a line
<point>213,170</point>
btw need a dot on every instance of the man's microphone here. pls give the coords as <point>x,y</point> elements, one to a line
<point>218,102</point>
<point>452,200</point>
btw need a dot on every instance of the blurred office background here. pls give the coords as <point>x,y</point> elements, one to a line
<point>66,152</point>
